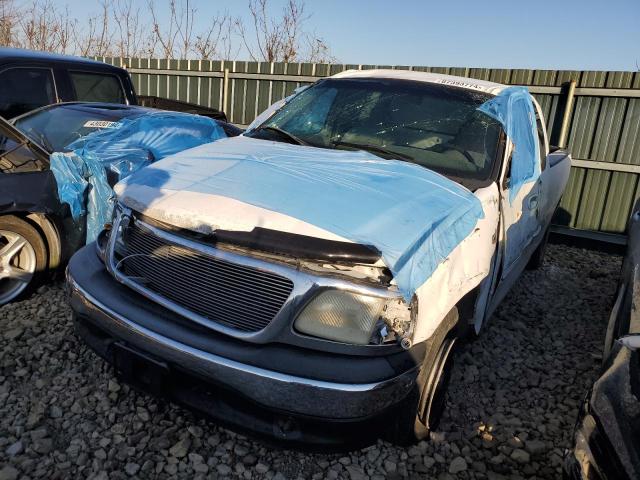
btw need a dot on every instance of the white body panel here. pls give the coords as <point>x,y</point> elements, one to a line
<point>463,270</point>
<point>521,223</point>
<point>554,178</point>
<point>204,212</point>
<point>428,77</point>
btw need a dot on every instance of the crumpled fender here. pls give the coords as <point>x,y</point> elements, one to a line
<point>463,270</point>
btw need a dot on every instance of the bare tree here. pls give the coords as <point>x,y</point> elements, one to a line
<point>282,38</point>
<point>96,39</point>
<point>216,39</point>
<point>121,28</point>
<point>227,48</point>
<point>133,37</point>
<point>174,38</point>
<point>318,51</point>
<point>177,38</point>
<point>8,21</point>
<point>44,27</point>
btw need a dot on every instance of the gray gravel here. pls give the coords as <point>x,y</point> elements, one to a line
<point>510,410</point>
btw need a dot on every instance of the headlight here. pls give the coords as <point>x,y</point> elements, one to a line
<point>347,317</point>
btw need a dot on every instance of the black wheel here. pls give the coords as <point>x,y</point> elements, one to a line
<point>421,411</point>
<point>537,258</point>
<point>23,256</point>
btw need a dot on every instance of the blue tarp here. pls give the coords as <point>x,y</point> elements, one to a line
<point>413,215</point>
<point>514,109</point>
<point>83,172</point>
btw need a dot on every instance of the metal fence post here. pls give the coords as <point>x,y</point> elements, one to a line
<point>566,115</point>
<point>225,90</point>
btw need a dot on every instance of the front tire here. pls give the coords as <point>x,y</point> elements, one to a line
<point>23,256</point>
<point>421,410</point>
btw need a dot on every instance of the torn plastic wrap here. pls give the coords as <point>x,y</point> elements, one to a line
<point>413,215</point>
<point>94,163</point>
<point>513,108</point>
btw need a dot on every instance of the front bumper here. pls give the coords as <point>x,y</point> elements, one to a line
<point>101,322</point>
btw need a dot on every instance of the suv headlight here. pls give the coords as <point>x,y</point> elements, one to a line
<point>351,317</point>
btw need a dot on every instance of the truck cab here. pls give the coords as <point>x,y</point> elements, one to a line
<point>317,271</point>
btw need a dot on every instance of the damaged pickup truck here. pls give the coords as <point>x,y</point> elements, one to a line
<point>315,272</point>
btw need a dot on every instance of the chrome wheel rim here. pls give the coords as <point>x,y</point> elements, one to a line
<point>17,265</point>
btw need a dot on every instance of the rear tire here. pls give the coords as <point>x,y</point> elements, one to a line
<point>537,258</point>
<point>23,258</point>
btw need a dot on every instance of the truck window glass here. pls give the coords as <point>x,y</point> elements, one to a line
<point>56,127</point>
<point>15,156</point>
<point>96,87</point>
<point>25,89</point>
<point>434,126</point>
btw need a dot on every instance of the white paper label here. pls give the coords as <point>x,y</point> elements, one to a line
<point>101,124</point>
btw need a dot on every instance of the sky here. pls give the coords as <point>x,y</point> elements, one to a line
<point>552,34</point>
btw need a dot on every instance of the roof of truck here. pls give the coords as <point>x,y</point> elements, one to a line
<point>461,82</point>
<point>20,54</point>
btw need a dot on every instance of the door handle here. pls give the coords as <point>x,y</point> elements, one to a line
<point>532,203</point>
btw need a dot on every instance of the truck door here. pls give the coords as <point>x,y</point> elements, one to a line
<point>522,225</point>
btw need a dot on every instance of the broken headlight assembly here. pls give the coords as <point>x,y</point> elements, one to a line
<point>102,240</point>
<point>102,243</point>
<point>357,319</point>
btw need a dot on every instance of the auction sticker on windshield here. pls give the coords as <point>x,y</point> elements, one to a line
<point>101,124</point>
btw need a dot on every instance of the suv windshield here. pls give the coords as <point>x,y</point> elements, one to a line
<point>56,126</point>
<point>436,126</point>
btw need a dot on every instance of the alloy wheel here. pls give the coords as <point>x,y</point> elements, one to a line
<point>17,265</point>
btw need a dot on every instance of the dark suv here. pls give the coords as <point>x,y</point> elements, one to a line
<point>47,101</point>
<point>29,80</point>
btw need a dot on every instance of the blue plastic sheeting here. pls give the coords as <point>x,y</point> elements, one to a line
<point>414,216</point>
<point>82,174</point>
<point>514,109</point>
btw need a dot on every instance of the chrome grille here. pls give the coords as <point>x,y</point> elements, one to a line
<point>237,296</point>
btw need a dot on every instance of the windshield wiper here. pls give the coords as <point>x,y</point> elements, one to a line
<point>374,148</point>
<point>284,133</point>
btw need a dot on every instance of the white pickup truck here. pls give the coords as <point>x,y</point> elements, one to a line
<point>315,272</point>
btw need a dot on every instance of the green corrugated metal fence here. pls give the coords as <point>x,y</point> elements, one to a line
<point>603,133</point>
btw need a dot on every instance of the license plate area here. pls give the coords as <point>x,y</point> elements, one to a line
<point>140,370</point>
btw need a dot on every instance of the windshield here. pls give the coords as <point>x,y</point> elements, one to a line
<point>56,127</point>
<point>438,127</point>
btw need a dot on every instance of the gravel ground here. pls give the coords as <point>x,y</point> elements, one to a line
<point>510,410</point>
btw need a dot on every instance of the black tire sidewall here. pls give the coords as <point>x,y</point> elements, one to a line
<point>537,258</point>
<point>407,429</point>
